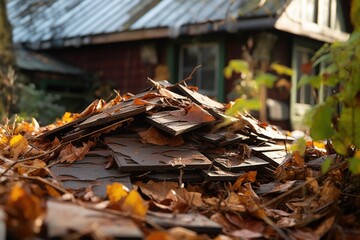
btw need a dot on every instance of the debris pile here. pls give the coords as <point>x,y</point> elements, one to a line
<point>168,163</point>
<point>168,132</point>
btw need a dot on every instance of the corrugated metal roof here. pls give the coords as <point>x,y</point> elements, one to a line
<point>33,61</point>
<point>64,19</point>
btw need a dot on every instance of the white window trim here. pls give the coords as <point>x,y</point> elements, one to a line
<point>297,110</point>
<point>213,93</point>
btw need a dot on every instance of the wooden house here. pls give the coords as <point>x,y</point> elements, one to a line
<point>124,42</point>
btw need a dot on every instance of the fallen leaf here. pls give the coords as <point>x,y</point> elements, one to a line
<point>70,153</point>
<point>154,136</point>
<point>32,168</point>
<point>325,226</point>
<point>18,145</point>
<point>158,235</point>
<point>116,192</point>
<point>135,204</point>
<point>250,176</point>
<point>52,191</point>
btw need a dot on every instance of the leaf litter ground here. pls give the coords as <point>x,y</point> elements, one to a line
<point>162,164</point>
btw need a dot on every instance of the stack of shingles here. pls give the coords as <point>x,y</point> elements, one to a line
<point>164,133</point>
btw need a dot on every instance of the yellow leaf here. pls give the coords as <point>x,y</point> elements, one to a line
<point>135,204</point>
<point>239,66</point>
<point>116,192</point>
<point>228,72</point>
<point>3,140</point>
<point>18,145</point>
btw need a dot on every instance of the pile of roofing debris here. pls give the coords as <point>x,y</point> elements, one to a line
<point>166,133</point>
<point>163,132</point>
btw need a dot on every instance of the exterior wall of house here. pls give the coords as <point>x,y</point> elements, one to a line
<point>120,66</point>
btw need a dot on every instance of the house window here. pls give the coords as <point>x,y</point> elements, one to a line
<point>206,77</point>
<point>323,13</point>
<point>302,99</point>
<point>305,94</point>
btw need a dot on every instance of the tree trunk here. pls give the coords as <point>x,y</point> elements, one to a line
<point>7,56</point>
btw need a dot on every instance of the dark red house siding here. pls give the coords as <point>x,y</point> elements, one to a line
<point>119,65</point>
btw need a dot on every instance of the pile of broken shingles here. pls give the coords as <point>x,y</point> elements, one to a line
<point>166,133</point>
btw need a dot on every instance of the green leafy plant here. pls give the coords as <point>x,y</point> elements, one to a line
<point>338,117</point>
<point>246,91</point>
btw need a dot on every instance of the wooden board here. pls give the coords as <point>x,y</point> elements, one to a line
<point>196,222</point>
<point>132,155</point>
<point>187,176</point>
<point>253,163</point>
<point>180,121</point>
<point>216,174</point>
<point>63,217</point>
<point>224,138</point>
<point>200,98</point>
<point>265,131</point>
<point>89,172</point>
<point>267,148</point>
<point>275,157</point>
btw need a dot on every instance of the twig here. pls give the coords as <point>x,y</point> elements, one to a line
<point>188,77</point>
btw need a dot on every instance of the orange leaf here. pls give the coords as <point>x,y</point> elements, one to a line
<point>196,114</point>
<point>154,136</point>
<point>52,191</point>
<point>158,235</point>
<point>29,206</point>
<point>116,192</point>
<point>249,177</point>
<point>135,204</point>
<point>140,102</point>
<point>18,145</point>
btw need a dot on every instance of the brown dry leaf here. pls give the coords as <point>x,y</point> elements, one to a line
<point>325,226</point>
<point>70,153</point>
<point>32,168</point>
<point>195,113</point>
<point>154,136</point>
<point>313,184</point>
<point>183,234</point>
<point>52,191</point>
<point>18,145</point>
<point>250,176</point>
<point>223,221</point>
<point>156,191</point>
<point>299,160</point>
<point>252,201</point>
<point>328,193</point>
<point>94,107</point>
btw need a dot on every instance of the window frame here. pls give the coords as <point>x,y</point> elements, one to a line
<point>215,92</point>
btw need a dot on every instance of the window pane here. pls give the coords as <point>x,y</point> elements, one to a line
<point>206,55</point>
<point>190,54</point>
<point>311,11</point>
<point>207,80</point>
